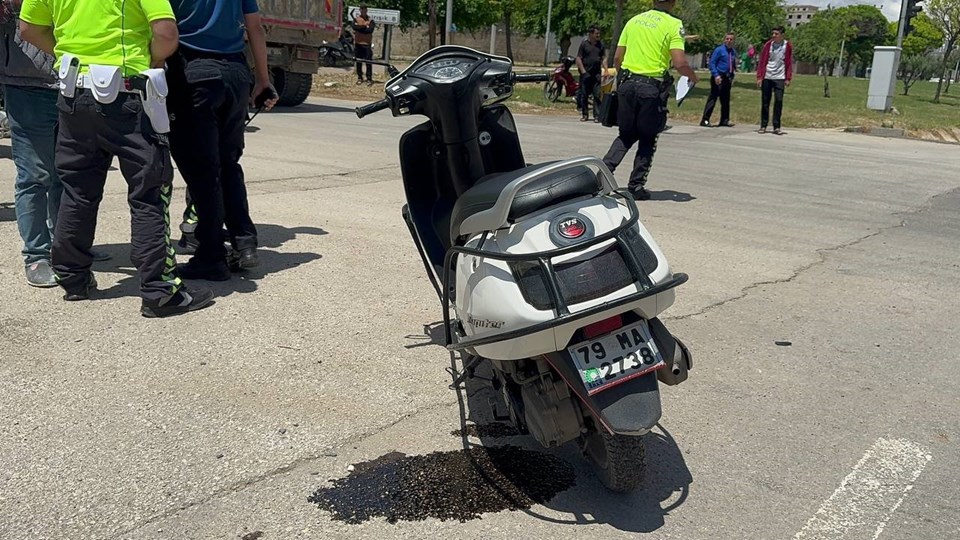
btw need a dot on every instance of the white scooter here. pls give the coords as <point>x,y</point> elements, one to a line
<point>547,270</point>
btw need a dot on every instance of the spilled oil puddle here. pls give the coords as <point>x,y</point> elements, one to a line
<point>459,485</point>
<point>484,431</point>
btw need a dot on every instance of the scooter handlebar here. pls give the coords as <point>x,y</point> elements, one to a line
<point>530,77</point>
<point>373,107</point>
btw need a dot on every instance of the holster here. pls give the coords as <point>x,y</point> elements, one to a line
<point>154,97</point>
<point>69,71</point>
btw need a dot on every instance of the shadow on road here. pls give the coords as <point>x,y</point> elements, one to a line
<point>8,212</point>
<point>271,262</point>
<point>671,195</point>
<point>667,482</point>
<point>311,108</point>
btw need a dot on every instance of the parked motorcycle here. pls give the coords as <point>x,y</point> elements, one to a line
<point>545,271</point>
<point>340,53</point>
<point>562,82</point>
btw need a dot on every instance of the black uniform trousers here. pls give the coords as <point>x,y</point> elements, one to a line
<point>722,92</point>
<point>91,134</point>
<point>364,52</point>
<point>587,92</point>
<point>641,116</point>
<point>209,98</point>
<point>771,88</point>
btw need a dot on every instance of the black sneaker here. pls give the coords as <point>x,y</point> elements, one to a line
<point>81,293</point>
<point>640,194</point>
<point>215,271</point>
<point>705,123</point>
<point>182,301</point>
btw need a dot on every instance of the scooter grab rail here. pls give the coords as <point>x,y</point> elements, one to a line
<point>561,311</point>
<point>495,217</point>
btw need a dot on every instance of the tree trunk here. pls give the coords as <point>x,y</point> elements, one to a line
<point>507,16</point>
<point>432,9</point>
<point>617,28</point>
<point>564,43</point>
<point>943,68</point>
<point>826,83</point>
<point>729,13</point>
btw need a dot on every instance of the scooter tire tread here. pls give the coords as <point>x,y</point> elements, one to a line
<point>626,466</point>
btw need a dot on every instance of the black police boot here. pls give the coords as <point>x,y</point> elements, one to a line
<point>640,194</point>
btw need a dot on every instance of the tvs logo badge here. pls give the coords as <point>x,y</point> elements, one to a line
<point>571,228</point>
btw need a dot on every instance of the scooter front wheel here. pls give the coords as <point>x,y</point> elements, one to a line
<point>619,460</point>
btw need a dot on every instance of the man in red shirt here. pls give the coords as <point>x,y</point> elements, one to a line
<point>774,72</point>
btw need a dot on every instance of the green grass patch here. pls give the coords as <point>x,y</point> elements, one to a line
<point>803,104</point>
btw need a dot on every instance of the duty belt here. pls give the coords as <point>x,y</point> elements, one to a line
<point>107,82</point>
<point>130,85</point>
<point>630,76</point>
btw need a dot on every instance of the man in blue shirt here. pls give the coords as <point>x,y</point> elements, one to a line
<point>722,69</point>
<point>210,92</point>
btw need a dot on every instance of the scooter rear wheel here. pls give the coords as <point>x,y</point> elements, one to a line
<point>619,460</point>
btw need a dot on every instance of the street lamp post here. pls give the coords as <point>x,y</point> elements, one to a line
<point>546,46</point>
<point>449,22</point>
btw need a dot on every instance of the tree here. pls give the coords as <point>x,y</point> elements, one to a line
<point>946,15</point>
<point>818,42</point>
<point>924,37</point>
<point>865,28</point>
<point>751,20</point>
<point>569,18</point>
<point>915,68</point>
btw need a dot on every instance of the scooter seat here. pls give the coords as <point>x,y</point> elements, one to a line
<point>543,192</point>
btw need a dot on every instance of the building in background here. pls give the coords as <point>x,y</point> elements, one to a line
<point>799,15</point>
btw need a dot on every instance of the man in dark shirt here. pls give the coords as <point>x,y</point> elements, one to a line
<point>210,92</point>
<point>363,43</point>
<point>590,63</point>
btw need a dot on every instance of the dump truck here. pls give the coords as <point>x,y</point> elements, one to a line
<point>296,29</point>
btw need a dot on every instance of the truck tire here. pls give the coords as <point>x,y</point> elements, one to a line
<point>618,459</point>
<point>293,88</point>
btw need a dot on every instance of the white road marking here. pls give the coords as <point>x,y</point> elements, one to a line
<point>866,499</point>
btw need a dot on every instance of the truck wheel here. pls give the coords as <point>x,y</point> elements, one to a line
<point>293,88</point>
<point>618,459</point>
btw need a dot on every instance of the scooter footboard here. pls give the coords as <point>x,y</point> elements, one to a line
<point>631,408</point>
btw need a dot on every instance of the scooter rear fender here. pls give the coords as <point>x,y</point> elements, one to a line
<point>629,408</point>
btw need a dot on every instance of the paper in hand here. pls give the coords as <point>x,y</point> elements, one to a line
<point>683,87</point>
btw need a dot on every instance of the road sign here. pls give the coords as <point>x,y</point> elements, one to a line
<point>382,16</point>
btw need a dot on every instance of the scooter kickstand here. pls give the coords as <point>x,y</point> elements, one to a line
<point>467,373</point>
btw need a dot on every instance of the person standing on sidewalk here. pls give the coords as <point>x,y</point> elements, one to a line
<point>363,43</point>
<point>591,59</point>
<point>774,71</point>
<point>648,44</point>
<point>29,89</point>
<point>722,70</point>
<point>111,105</point>
<point>211,91</point>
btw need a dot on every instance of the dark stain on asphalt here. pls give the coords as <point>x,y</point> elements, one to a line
<point>255,535</point>
<point>495,430</point>
<point>460,485</point>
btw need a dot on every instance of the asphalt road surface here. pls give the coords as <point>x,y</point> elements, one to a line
<point>239,420</point>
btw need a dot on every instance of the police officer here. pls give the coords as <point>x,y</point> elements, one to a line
<point>648,44</point>
<point>112,104</point>
<point>211,89</point>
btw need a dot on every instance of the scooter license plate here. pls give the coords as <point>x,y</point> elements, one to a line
<point>617,357</point>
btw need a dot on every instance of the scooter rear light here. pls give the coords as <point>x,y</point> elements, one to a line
<point>603,327</point>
